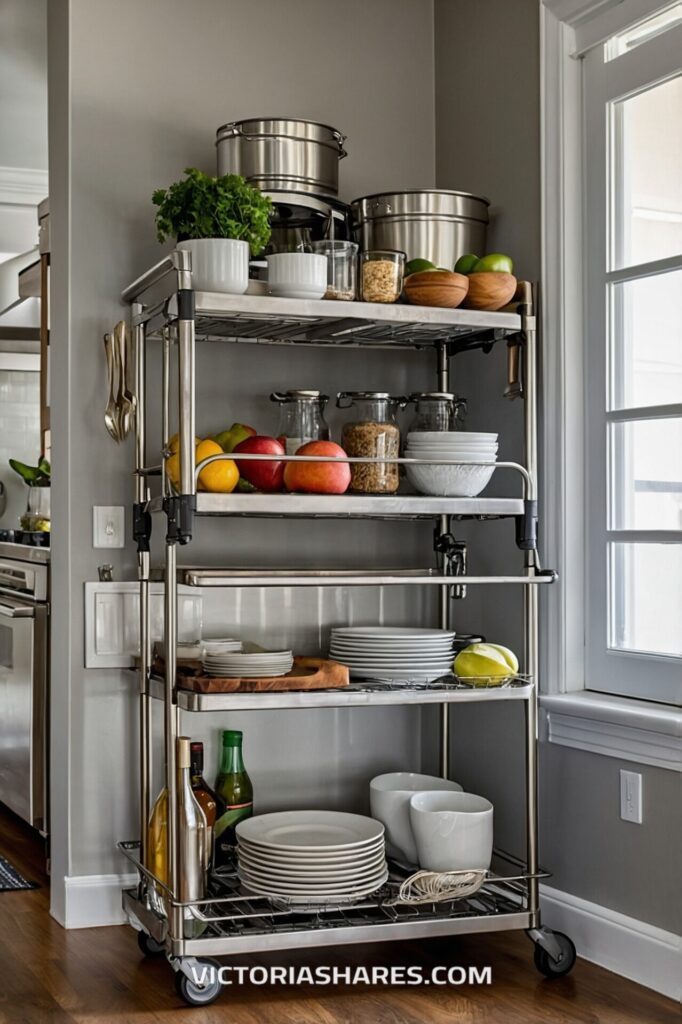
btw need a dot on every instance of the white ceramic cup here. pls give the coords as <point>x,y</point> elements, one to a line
<point>389,801</point>
<point>219,264</point>
<point>453,831</point>
<point>297,275</point>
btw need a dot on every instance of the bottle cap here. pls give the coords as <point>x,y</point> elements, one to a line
<point>232,737</point>
<point>183,751</point>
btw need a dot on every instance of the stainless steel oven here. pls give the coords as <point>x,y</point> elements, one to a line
<point>24,662</point>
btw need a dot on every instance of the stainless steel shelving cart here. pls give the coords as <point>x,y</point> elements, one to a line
<point>165,307</point>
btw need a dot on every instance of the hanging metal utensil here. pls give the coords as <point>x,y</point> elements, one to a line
<point>111,412</point>
<point>126,401</point>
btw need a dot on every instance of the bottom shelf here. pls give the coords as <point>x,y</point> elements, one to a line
<point>234,921</point>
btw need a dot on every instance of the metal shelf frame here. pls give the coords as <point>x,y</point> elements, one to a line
<point>165,307</point>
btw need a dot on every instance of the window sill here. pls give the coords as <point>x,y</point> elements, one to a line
<point>632,730</point>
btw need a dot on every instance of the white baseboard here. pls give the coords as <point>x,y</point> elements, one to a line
<point>93,901</point>
<point>631,948</point>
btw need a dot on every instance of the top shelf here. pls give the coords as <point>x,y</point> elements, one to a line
<point>265,319</point>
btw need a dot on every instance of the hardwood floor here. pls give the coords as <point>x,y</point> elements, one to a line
<point>98,976</point>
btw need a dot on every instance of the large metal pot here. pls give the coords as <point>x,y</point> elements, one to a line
<point>282,154</point>
<point>430,224</point>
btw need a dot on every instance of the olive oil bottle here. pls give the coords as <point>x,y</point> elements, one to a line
<point>204,796</point>
<point>235,795</point>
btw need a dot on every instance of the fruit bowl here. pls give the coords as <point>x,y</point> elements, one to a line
<point>490,290</point>
<point>441,288</point>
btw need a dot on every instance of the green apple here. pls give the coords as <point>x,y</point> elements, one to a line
<point>496,262</point>
<point>417,265</point>
<point>229,439</point>
<point>466,263</point>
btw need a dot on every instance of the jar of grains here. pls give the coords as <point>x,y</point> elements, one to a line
<point>381,278</point>
<point>371,433</point>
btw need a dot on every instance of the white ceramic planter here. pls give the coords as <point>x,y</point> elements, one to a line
<point>453,831</point>
<point>219,264</point>
<point>389,801</point>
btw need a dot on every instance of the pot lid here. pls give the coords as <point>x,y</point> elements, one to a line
<point>298,396</point>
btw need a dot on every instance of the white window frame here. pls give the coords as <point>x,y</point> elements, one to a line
<point>636,730</point>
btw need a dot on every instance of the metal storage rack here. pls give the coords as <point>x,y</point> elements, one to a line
<point>165,307</point>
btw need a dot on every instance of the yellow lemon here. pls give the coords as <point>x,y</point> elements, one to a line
<point>221,476</point>
<point>488,664</point>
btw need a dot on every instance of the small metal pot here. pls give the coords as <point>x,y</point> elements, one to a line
<point>430,224</point>
<point>282,154</point>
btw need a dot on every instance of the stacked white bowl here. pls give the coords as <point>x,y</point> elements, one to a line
<point>467,448</point>
<point>226,659</point>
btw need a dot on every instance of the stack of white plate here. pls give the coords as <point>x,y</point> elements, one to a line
<point>460,446</point>
<point>311,856</point>
<point>240,664</point>
<point>393,652</point>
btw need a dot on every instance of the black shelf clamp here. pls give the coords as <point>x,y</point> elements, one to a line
<point>179,509</point>
<point>454,554</point>
<point>142,526</point>
<point>527,526</point>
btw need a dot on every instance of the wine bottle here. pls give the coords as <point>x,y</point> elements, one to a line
<point>235,795</point>
<point>204,795</point>
<point>191,831</point>
<point>157,838</point>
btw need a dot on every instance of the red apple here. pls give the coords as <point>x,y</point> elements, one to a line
<point>265,476</point>
<point>318,477</point>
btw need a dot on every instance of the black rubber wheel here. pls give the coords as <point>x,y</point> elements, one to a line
<point>553,968</point>
<point>149,946</point>
<point>199,995</point>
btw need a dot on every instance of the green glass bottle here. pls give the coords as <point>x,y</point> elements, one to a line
<point>235,795</point>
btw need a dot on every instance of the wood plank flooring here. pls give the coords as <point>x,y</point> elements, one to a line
<point>98,976</point>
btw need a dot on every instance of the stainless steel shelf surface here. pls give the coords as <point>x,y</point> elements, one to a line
<point>269,320</point>
<point>361,694</point>
<point>341,506</point>
<point>235,577</point>
<point>238,922</point>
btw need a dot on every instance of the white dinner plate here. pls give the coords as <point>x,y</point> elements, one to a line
<point>324,869</point>
<point>382,632</point>
<point>323,887</point>
<point>313,861</point>
<point>310,830</point>
<point>451,435</point>
<point>315,898</point>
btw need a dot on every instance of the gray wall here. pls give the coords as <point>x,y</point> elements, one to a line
<point>488,53</point>
<point>188,69</point>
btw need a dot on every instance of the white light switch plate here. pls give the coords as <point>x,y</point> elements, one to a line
<point>631,796</point>
<point>108,526</point>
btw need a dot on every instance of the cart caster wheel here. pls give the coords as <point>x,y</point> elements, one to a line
<point>149,946</point>
<point>198,995</point>
<point>553,968</point>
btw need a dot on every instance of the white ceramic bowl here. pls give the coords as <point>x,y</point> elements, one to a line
<point>461,455</point>
<point>452,436</point>
<point>389,801</point>
<point>449,481</point>
<point>453,831</point>
<point>297,275</point>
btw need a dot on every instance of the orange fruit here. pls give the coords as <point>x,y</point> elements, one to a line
<point>220,476</point>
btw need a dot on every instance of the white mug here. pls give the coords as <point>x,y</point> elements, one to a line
<point>297,275</point>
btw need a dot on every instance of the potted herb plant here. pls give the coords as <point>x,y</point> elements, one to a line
<point>218,220</point>
<point>37,479</point>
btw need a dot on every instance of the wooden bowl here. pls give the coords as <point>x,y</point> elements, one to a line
<point>490,290</point>
<point>436,288</point>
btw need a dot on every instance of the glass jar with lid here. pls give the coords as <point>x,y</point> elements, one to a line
<point>301,418</point>
<point>371,432</point>
<point>437,411</point>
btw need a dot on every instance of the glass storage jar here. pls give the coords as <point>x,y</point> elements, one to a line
<point>342,261</point>
<point>381,276</point>
<point>301,418</point>
<point>371,433</point>
<point>437,411</point>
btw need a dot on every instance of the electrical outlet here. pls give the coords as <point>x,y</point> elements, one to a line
<point>631,796</point>
<point>108,526</point>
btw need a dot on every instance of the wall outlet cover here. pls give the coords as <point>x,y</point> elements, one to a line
<point>631,796</point>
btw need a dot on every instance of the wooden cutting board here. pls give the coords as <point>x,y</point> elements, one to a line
<point>307,674</point>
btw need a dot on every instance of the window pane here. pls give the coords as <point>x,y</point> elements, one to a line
<point>646,341</point>
<point>646,598</point>
<point>647,164</point>
<point>643,32</point>
<point>646,475</point>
